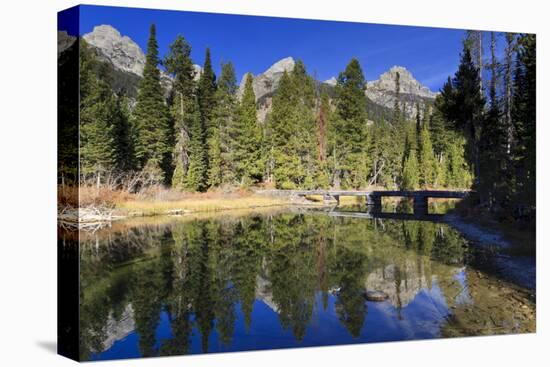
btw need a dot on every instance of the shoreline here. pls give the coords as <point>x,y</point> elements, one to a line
<point>504,262</point>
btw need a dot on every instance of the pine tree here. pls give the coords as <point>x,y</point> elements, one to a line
<point>206,94</point>
<point>511,45</point>
<point>524,119</point>
<point>463,105</point>
<point>493,142</point>
<point>323,122</point>
<point>151,118</point>
<point>410,172</point>
<point>221,169</point>
<point>283,124</point>
<point>98,149</point>
<point>349,130</point>
<point>185,113</point>
<point>426,160</point>
<point>196,176</point>
<point>246,137</point>
<point>293,131</point>
<point>397,115</point>
<point>439,130</point>
<point>123,135</point>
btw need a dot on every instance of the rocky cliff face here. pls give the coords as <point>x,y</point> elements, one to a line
<point>121,51</point>
<point>382,91</point>
<point>266,83</point>
<point>64,41</point>
<point>126,58</point>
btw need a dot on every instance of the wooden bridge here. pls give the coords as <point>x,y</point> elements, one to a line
<point>374,198</point>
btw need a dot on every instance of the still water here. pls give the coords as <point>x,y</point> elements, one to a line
<point>280,278</point>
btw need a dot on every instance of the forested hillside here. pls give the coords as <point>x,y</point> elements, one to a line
<point>479,133</point>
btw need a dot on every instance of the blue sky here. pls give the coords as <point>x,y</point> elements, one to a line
<point>254,43</point>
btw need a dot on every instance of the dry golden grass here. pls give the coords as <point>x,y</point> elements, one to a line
<point>198,203</point>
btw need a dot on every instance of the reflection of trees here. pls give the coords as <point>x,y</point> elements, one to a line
<point>247,247</point>
<point>147,303</point>
<point>225,293</point>
<point>348,270</point>
<point>293,272</point>
<point>179,299</point>
<point>199,270</point>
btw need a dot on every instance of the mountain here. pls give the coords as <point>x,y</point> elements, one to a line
<point>125,57</point>
<point>382,91</point>
<point>64,41</point>
<point>332,81</point>
<point>127,60</point>
<point>266,83</point>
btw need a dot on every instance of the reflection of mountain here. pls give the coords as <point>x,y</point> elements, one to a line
<point>400,283</point>
<point>117,329</point>
<point>263,293</point>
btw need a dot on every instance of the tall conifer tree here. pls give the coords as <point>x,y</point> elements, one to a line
<point>222,163</point>
<point>151,117</point>
<point>349,132</point>
<point>246,137</point>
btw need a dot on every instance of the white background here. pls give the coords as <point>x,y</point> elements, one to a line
<point>28,169</point>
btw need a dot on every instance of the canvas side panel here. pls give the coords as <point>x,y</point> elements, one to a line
<point>67,185</point>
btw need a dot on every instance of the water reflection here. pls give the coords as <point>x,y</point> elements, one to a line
<point>278,279</point>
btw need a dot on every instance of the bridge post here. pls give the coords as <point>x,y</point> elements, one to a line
<point>337,197</point>
<point>420,205</point>
<point>374,202</point>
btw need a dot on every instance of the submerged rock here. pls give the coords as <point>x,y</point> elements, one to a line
<point>376,296</point>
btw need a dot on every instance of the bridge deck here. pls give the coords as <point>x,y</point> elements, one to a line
<point>412,194</point>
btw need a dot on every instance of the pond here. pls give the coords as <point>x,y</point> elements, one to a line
<point>280,278</point>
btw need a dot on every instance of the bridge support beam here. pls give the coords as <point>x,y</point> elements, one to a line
<point>374,203</point>
<point>329,199</point>
<point>420,205</point>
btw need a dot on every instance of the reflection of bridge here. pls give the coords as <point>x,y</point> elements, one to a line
<point>374,198</point>
<point>395,216</point>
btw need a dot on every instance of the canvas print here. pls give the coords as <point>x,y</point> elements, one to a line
<point>233,183</point>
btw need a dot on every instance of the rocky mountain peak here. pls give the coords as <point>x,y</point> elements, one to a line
<point>412,92</point>
<point>286,64</point>
<point>408,84</point>
<point>266,83</point>
<point>332,81</point>
<point>121,51</point>
<point>64,41</point>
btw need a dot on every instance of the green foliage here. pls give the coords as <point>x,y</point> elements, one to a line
<point>292,131</point>
<point>410,172</point>
<point>246,139</point>
<point>105,135</point>
<point>458,175</point>
<point>151,118</point>
<point>348,133</point>
<point>462,104</point>
<point>189,152</point>
<point>221,161</point>
<point>206,90</point>
<point>426,159</point>
<point>196,177</point>
<point>524,121</point>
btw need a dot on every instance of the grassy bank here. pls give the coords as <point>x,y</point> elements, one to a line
<point>162,201</point>
<point>197,204</point>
